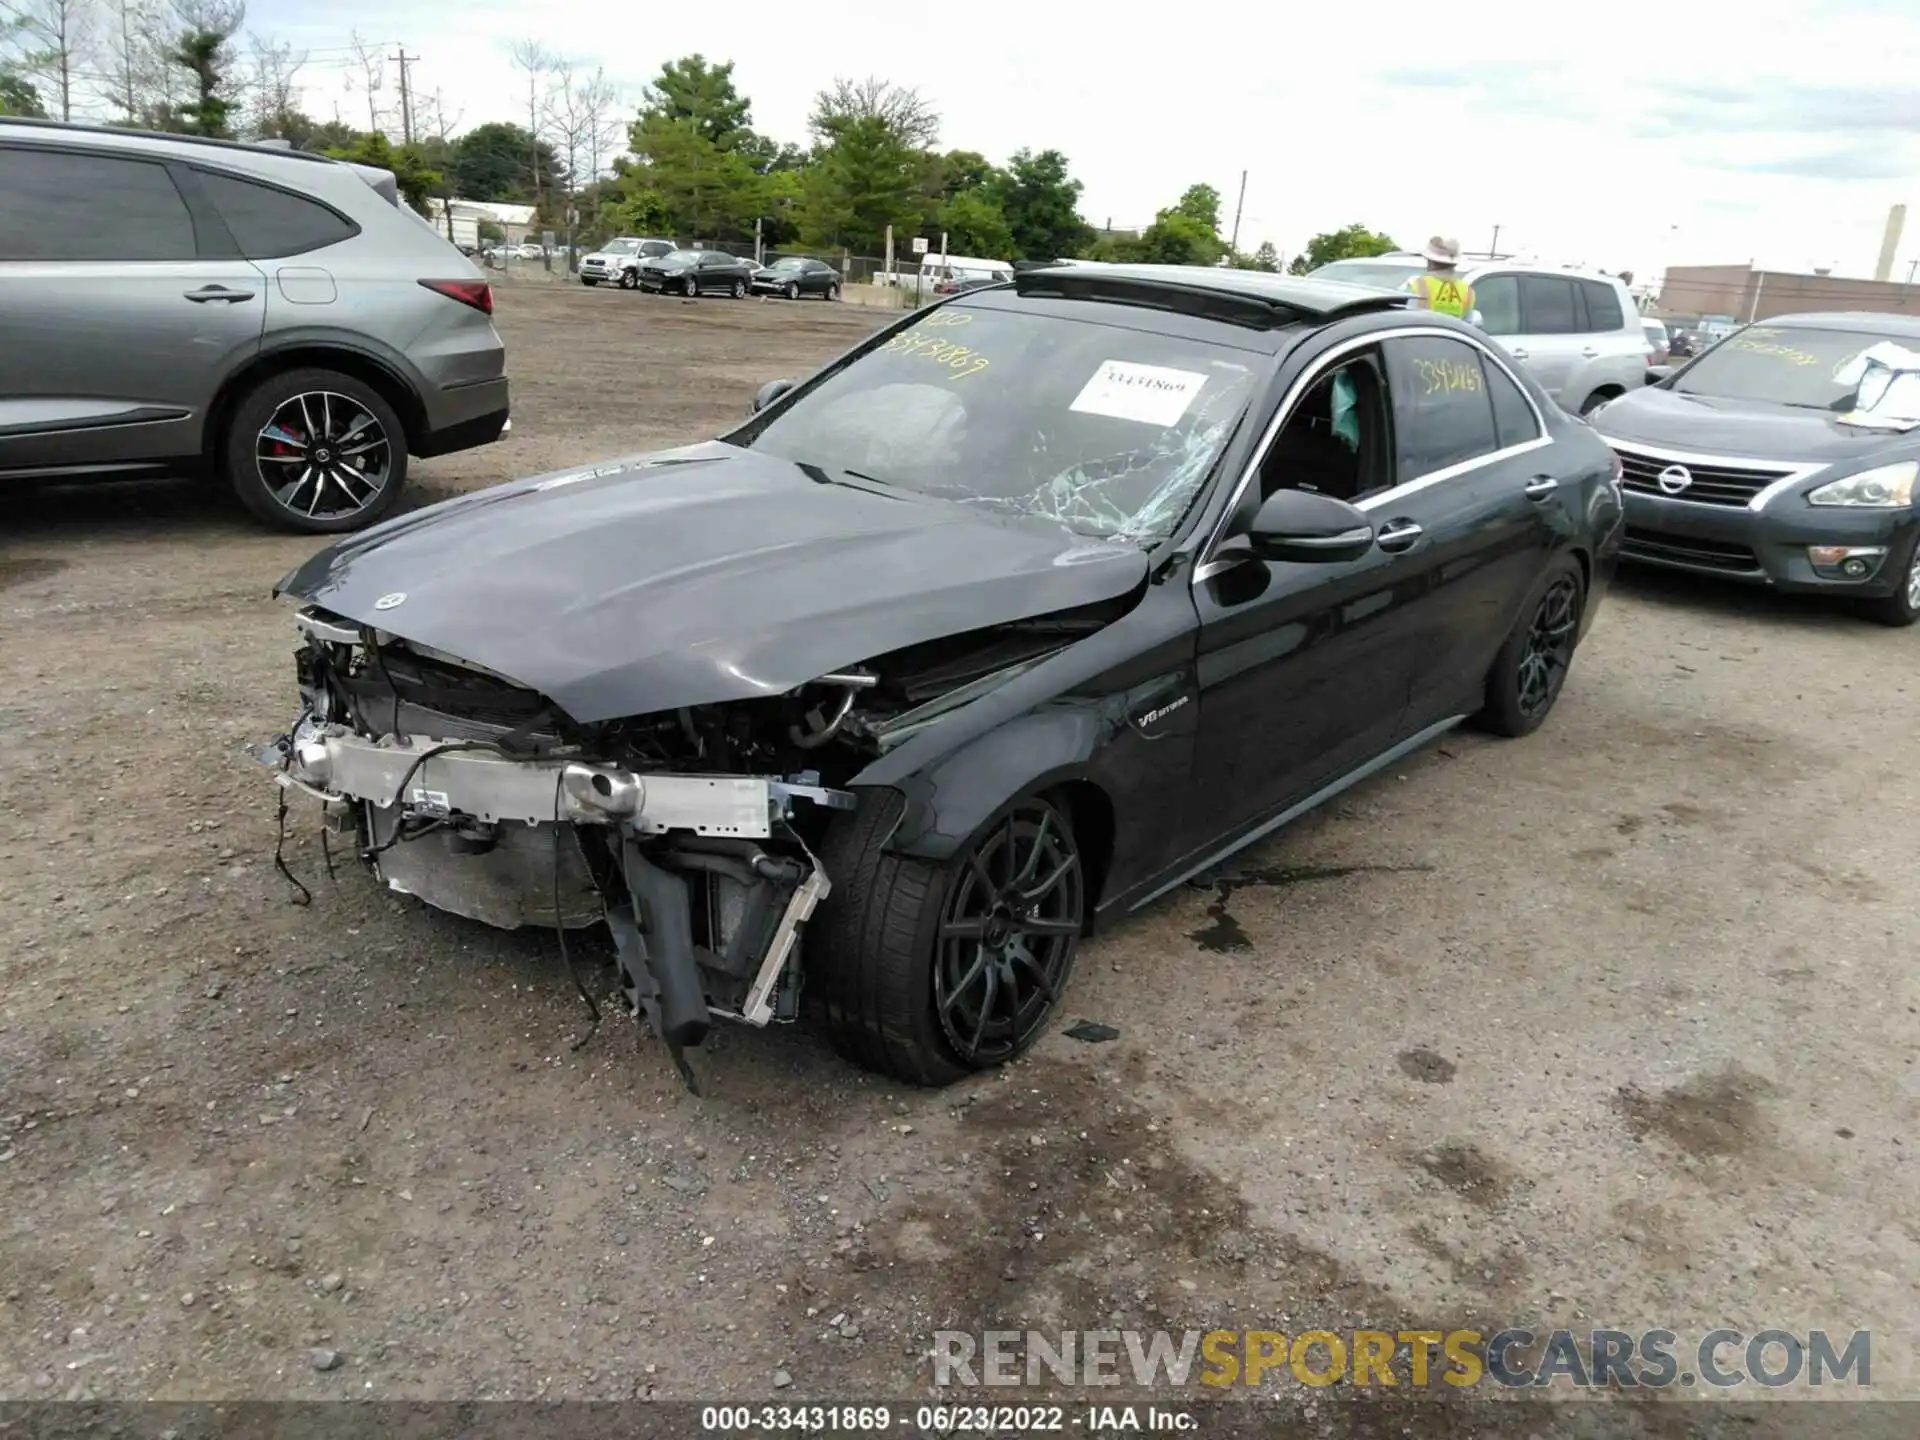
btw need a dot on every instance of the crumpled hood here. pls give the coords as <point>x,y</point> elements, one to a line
<point>1711,425</point>
<point>697,576</point>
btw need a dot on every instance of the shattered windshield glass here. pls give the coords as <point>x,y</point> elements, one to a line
<point>1105,430</point>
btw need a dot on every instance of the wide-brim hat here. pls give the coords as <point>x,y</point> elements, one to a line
<point>1441,251</point>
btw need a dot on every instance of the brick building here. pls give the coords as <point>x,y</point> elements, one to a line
<point>1748,294</point>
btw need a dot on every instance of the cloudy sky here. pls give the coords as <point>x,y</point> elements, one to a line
<point>1632,135</point>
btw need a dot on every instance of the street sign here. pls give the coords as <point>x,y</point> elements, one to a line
<point>547,238</point>
<point>919,244</point>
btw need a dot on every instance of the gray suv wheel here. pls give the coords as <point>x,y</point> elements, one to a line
<point>316,451</point>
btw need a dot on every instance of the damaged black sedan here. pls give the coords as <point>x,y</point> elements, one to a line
<point>1027,609</point>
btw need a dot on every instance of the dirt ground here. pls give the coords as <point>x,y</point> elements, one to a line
<point>1612,1026</point>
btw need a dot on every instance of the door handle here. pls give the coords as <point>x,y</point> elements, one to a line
<point>1541,486</point>
<point>218,292</point>
<point>1518,353</point>
<point>1397,536</point>
<point>1591,353</point>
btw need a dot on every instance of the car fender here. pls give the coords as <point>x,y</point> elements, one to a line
<point>400,371</point>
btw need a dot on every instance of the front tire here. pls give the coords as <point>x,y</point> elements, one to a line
<point>1594,401</point>
<point>931,972</point>
<point>629,279</point>
<point>1901,608</point>
<point>793,290</point>
<point>1532,665</point>
<point>315,451</point>
<point>739,289</point>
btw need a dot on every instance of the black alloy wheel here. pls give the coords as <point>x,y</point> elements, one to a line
<point>1533,662</point>
<point>690,287</point>
<point>1548,652</point>
<point>316,451</point>
<point>1008,931</point>
<point>928,971</point>
<point>793,290</point>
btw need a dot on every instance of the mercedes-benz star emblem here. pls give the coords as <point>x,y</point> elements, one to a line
<point>387,602</point>
<point>1675,478</point>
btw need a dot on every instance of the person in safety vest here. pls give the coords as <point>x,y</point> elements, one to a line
<point>1442,287</point>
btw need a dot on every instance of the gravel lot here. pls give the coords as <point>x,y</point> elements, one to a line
<point>1613,1026</point>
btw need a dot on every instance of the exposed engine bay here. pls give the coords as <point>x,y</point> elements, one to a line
<point>693,834</point>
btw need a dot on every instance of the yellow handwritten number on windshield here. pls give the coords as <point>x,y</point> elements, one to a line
<point>947,317</point>
<point>1454,377</point>
<point>960,359</point>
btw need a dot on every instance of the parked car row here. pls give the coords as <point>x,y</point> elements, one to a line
<point>638,263</point>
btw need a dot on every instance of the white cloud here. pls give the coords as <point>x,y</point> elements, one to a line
<point>1635,136</point>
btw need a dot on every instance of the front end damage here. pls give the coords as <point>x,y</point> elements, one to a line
<point>693,834</point>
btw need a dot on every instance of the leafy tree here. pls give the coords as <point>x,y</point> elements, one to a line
<point>709,191</point>
<point>1350,242</point>
<point>205,54</point>
<point>418,183</point>
<point>327,135</point>
<point>870,167</point>
<point>494,161</point>
<point>1265,258</point>
<point>974,225</point>
<point>694,90</point>
<point>1202,203</point>
<point>782,196</point>
<point>959,170</point>
<point>1178,237</point>
<point>638,212</point>
<point>1041,203</point>
<point>770,156</point>
<point>18,95</point>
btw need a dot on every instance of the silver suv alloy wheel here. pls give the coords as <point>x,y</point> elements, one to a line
<point>324,455</point>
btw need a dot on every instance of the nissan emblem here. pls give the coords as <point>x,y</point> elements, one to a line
<point>1673,479</point>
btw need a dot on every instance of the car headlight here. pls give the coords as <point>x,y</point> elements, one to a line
<point>1886,487</point>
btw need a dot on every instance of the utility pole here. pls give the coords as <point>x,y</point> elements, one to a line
<point>1495,251</point>
<point>1912,265</point>
<point>406,97</point>
<point>1233,245</point>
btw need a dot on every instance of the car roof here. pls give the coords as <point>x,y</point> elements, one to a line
<point>132,138</point>
<point>1866,322</point>
<point>1259,298</point>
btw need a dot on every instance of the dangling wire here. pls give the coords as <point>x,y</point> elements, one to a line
<point>279,848</point>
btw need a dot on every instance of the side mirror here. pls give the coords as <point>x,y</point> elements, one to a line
<point>1477,320</point>
<point>1657,373</point>
<point>770,392</point>
<point>1302,527</point>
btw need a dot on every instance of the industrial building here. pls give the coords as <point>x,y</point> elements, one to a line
<point>1743,294</point>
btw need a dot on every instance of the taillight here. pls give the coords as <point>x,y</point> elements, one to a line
<point>477,293</point>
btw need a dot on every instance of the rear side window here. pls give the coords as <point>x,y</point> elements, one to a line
<point>60,205</point>
<point>1603,306</point>
<point>1497,298</point>
<point>1512,415</point>
<point>1441,413</point>
<point>1546,305</point>
<point>267,223</point>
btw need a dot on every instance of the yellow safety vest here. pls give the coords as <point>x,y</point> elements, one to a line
<point>1445,293</point>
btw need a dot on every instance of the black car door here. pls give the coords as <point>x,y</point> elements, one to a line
<point>1475,491</point>
<point>1302,667</point>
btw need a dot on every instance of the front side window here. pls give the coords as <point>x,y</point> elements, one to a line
<point>267,223</point>
<point>57,205</point>
<point>1441,413</point>
<point>1547,305</point>
<point>622,247</point>
<point>1107,431</point>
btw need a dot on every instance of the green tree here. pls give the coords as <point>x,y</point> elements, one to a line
<point>694,90</point>
<point>1041,202</point>
<point>18,95</point>
<point>1202,203</point>
<point>870,166</point>
<point>639,211</point>
<point>494,161</point>
<point>1265,258</point>
<point>782,195</point>
<point>974,225</point>
<point>710,192</point>
<point>418,182</point>
<point>1350,242</point>
<point>959,170</point>
<point>204,54</point>
<point>1178,237</point>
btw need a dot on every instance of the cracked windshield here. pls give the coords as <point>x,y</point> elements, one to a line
<point>1107,431</point>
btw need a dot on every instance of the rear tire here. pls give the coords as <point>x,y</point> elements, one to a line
<point>833,292</point>
<point>739,289</point>
<point>347,421</point>
<point>690,287</point>
<point>1901,608</point>
<point>793,291</point>
<point>909,991</point>
<point>588,280</point>
<point>1533,663</point>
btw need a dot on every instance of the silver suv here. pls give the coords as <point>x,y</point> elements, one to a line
<point>277,319</point>
<point>1578,333</point>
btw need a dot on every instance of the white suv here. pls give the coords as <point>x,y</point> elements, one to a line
<point>1577,332</point>
<point>618,261</point>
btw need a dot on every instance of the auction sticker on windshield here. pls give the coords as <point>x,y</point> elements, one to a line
<point>1151,394</point>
